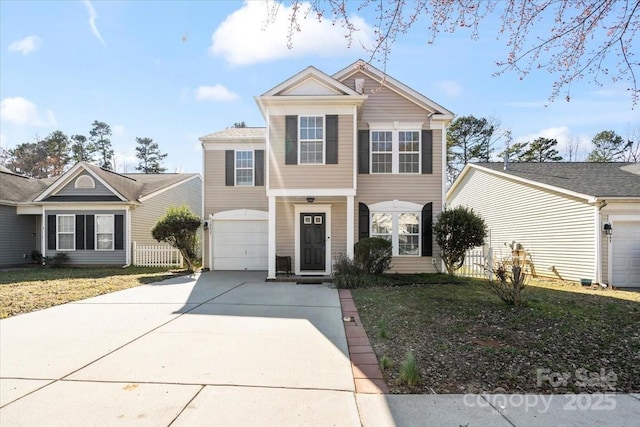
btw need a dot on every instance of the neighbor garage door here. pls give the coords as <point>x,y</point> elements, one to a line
<point>626,254</point>
<point>239,244</point>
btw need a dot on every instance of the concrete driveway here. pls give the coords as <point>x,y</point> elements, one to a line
<point>218,349</point>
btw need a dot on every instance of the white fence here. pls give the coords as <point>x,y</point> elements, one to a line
<point>156,256</point>
<point>477,264</point>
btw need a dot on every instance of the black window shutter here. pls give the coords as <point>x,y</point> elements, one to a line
<point>291,140</point>
<point>89,232</point>
<point>363,221</point>
<point>79,232</point>
<point>332,140</point>
<point>258,168</point>
<point>427,151</point>
<point>229,168</point>
<point>118,239</point>
<point>427,230</point>
<point>363,151</point>
<point>51,232</point>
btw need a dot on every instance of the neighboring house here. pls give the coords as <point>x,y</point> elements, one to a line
<point>92,214</point>
<point>562,214</point>
<point>342,157</point>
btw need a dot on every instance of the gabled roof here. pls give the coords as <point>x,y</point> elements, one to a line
<point>127,187</point>
<point>257,133</point>
<point>588,179</point>
<point>362,66</point>
<point>312,72</point>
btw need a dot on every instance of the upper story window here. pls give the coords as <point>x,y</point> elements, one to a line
<point>311,140</point>
<point>66,232</point>
<point>395,151</point>
<point>244,168</point>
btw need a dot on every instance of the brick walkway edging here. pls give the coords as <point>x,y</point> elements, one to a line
<point>367,375</point>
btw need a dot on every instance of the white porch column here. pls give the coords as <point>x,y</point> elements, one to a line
<point>271,253</point>
<point>350,226</point>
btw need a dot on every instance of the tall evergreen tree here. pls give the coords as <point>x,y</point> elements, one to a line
<point>30,159</point>
<point>515,152</point>
<point>149,155</point>
<point>542,150</point>
<point>608,146</point>
<point>99,137</point>
<point>81,149</point>
<point>57,146</point>
<point>468,139</point>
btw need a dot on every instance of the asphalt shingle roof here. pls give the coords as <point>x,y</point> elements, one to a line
<point>17,188</point>
<point>238,133</point>
<point>593,179</point>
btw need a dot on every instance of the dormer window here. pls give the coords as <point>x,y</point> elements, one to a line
<point>85,181</point>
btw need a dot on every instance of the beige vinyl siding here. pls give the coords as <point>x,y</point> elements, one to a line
<point>385,105</point>
<point>145,217</point>
<point>285,230</point>
<point>558,230</point>
<point>218,197</point>
<point>283,176</point>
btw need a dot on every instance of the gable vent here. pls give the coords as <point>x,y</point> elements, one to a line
<point>85,181</point>
<point>360,86</point>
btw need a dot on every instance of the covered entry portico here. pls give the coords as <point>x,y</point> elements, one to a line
<point>310,226</point>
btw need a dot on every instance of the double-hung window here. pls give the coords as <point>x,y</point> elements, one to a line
<point>104,232</point>
<point>401,229</point>
<point>244,167</point>
<point>381,152</point>
<point>66,232</point>
<point>395,151</point>
<point>311,140</point>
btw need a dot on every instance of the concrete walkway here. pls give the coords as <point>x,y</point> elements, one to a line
<point>224,349</point>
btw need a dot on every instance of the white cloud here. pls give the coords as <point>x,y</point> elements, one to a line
<point>450,87</point>
<point>561,134</point>
<point>118,130</point>
<point>22,112</point>
<point>215,93</point>
<point>26,45</point>
<point>92,21</point>
<point>253,34</point>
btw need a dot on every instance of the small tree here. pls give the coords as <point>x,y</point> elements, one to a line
<point>149,156</point>
<point>178,228</point>
<point>458,230</point>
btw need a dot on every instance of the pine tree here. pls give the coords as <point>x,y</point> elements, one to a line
<point>100,134</point>
<point>608,146</point>
<point>542,150</point>
<point>150,156</point>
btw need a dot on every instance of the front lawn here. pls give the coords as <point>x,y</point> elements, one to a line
<point>30,289</point>
<point>466,340</point>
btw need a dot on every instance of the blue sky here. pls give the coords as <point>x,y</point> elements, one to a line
<point>175,71</point>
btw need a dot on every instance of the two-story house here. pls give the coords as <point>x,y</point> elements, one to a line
<point>342,157</point>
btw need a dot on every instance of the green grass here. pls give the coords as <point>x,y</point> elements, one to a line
<point>409,372</point>
<point>465,339</point>
<point>30,289</point>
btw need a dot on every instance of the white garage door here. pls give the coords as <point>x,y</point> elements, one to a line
<point>239,244</point>
<point>626,254</point>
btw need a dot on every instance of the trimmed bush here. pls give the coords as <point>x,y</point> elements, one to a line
<point>373,255</point>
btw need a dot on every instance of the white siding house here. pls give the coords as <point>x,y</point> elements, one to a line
<point>558,212</point>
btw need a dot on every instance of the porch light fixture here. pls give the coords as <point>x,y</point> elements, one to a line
<point>311,199</point>
<point>608,229</point>
<point>206,225</point>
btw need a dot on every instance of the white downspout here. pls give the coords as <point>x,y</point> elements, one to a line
<point>598,244</point>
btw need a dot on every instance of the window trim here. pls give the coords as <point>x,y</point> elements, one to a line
<point>324,139</point>
<point>95,232</point>
<point>235,168</point>
<point>372,152</point>
<point>395,129</point>
<point>58,232</point>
